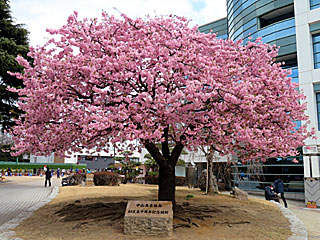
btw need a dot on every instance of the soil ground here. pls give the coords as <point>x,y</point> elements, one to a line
<point>97,213</point>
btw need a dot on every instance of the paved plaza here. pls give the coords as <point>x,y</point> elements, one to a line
<point>310,218</point>
<point>19,195</point>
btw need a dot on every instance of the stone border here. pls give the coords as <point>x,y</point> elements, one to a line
<point>297,227</point>
<point>6,230</point>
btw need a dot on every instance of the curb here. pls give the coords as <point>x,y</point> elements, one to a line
<point>6,230</point>
<point>297,227</point>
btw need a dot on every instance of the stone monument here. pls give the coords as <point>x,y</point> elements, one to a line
<point>151,218</point>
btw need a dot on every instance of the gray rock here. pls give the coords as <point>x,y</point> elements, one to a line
<point>240,194</point>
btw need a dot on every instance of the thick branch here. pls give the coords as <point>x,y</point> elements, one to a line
<point>165,145</point>
<point>177,150</point>
<point>155,153</point>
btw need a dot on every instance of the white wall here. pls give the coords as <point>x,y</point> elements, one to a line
<point>42,159</point>
<point>307,74</point>
<point>73,158</point>
<point>199,157</point>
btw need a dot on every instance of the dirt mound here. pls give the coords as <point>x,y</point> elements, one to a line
<point>186,215</point>
<point>97,213</point>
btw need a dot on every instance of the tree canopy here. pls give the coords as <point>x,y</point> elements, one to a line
<point>13,42</point>
<point>156,80</point>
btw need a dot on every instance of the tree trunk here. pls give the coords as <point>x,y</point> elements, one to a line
<point>167,183</point>
<point>167,162</point>
<point>125,177</point>
<point>211,179</point>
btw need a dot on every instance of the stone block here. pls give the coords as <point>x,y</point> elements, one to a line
<point>152,218</point>
<point>89,179</point>
<point>240,194</point>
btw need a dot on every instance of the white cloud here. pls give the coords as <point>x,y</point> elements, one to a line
<point>41,14</point>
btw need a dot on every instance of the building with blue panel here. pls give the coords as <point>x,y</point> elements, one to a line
<point>294,25</point>
<point>219,27</point>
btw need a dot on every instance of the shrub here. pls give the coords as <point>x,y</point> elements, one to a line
<point>152,179</point>
<point>138,179</point>
<point>222,187</point>
<point>180,181</point>
<point>189,196</point>
<point>203,180</point>
<point>78,178</point>
<point>72,180</point>
<point>106,179</point>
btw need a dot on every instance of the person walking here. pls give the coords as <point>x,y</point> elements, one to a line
<point>9,171</point>
<point>279,188</point>
<point>48,177</point>
<point>58,173</point>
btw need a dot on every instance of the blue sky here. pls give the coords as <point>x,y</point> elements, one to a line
<point>198,5</point>
<point>38,15</point>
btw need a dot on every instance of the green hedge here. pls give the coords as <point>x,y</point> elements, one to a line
<point>106,179</point>
<point>14,165</point>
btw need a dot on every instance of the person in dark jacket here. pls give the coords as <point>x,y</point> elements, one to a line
<point>269,194</point>
<point>48,177</point>
<point>279,188</point>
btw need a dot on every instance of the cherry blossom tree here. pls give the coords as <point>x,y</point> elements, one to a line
<point>100,83</point>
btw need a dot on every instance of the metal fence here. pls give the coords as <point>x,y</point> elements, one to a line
<point>255,176</point>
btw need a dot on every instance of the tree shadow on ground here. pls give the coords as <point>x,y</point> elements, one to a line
<point>111,213</point>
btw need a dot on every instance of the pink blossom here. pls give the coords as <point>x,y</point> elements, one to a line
<point>115,80</point>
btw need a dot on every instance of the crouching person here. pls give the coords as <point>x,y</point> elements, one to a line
<point>269,194</point>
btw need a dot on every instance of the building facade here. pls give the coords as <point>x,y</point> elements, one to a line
<point>294,25</point>
<point>307,18</point>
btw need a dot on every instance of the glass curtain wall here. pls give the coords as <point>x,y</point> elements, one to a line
<point>255,176</point>
<point>274,22</point>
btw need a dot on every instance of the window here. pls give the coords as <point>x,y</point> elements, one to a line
<point>318,108</point>
<point>290,61</point>
<point>314,4</point>
<point>316,50</point>
<point>276,16</point>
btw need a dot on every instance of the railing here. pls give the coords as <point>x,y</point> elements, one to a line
<point>257,176</point>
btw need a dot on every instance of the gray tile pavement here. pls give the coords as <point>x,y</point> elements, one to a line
<point>18,197</point>
<point>310,218</point>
